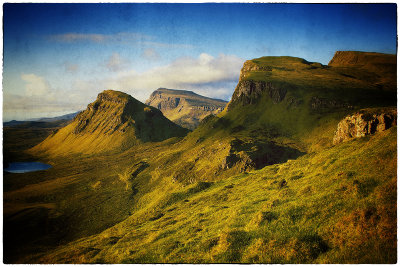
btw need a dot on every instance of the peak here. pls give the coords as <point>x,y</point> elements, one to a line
<point>113,95</point>
<point>185,108</point>
<point>113,122</point>
<point>174,91</point>
<point>281,61</point>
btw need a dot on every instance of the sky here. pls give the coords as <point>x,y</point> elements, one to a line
<point>58,57</point>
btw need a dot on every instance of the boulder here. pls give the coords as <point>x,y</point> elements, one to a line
<point>365,122</point>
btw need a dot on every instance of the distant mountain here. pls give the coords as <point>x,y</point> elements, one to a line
<point>41,122</point>
<point>68,117</point>
<point>185,108</point>
<point>115,121</point>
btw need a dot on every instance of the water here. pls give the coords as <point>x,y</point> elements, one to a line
<point>21,167</point>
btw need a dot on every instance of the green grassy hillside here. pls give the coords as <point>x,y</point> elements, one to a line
<point>335,206</point>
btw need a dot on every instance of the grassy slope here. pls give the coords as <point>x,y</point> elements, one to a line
<point>337,206</point>
<point>80,196</point>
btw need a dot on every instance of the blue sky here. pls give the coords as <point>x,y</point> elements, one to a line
<point>58,57</point>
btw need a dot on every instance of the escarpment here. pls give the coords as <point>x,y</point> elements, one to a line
<point>185,108</point>
<point>248,92</point>
<point>342,85</point>
<point>363,60</point>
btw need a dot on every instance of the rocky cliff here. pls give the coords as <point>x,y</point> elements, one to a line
<point>363,60</point>
<point>338,86</point>
<point>381,68</point>
<point>365,122</point>
<point>185,108</point>
<point>115,120</point>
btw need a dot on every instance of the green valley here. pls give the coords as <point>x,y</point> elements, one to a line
<point>299,167</point>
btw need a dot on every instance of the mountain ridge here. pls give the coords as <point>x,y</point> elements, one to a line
<point>183,107</point>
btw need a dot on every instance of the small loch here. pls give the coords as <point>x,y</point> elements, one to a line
<point>22,167</point>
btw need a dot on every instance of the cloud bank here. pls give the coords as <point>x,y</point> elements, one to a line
<point>99,38</point>
<point>207,75</point>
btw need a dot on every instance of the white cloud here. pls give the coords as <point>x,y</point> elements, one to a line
<point>211,75</point>
<point>115,62</point>
<point>168,45</point>
<point>128,38</point>
<point>24,107</point>
<point>39,99</point>
<point>35,85</point>
<point>121,37</point>
<point>206,75</point>
<point>150,54</point>
<point>71,68</point>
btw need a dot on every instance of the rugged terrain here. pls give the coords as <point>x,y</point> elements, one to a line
<point>185,108</point>
<point>300,167</point>
<point>115,121</point>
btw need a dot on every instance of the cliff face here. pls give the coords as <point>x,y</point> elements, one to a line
<point>185,108</point>
<point>248,92</point>
<point>322,88</point>
<point>362,59</point>
<point>365,122</point>
<point>381,68</point>
<point>115,120</point>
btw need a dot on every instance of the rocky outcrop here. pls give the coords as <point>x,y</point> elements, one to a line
<point>249,92</point>
<point>250,66</point>
<point>252,154</point>
<point>365,122</point>
<point>185,108</point>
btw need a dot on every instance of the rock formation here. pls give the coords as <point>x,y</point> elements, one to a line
<point>185,108</point>
<point>381,68</point>
<point>362,60</point>
<point>365,122</point>
<point>247,92</point>
<point>114,121</point>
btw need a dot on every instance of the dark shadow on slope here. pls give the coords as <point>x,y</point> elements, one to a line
<point>258,154</point>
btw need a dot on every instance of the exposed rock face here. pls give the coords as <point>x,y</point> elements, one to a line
<point>256,154</point>
<point>361,59</point>
<point>185,108</point>
<point>365,122</point>
<point>115,111</point>
<point>109,113</point>
<point>382,68</point>
<point>248,92</point>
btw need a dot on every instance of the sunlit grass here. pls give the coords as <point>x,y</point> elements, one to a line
<point>335,206</point>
